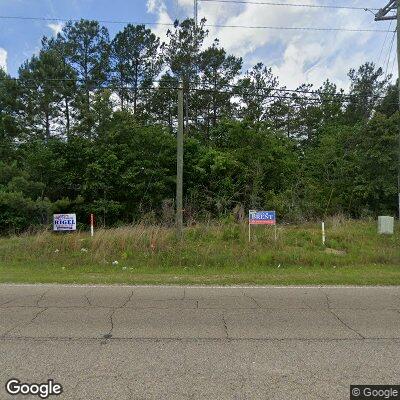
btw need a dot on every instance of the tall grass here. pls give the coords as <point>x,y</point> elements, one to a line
<point>217,253</point>
<point>216,246</point>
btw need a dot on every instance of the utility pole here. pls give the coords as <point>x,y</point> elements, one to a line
<point>179,166</point>
<point>384,14</point>
<point>195,12</point>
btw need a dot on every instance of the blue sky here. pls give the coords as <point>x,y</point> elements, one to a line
<point>295,56</point>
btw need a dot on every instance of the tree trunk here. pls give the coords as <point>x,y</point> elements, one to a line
<point>135,90</point>
<point>68,124</point>
<point>187,109</point>
<point>47,127</point>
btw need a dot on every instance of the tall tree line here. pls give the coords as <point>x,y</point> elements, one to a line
<point>89,126</point>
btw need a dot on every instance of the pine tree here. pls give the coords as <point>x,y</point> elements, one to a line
<point>218,72</point>
<point>182,54</point>
<point>254,90</point>
<point>67,85</point>
<point>367,85</point>
<point>136,62</point>
<point>163,104</point>
<point>87,48</point>
<point>41,80</point>
<point>9,106</point>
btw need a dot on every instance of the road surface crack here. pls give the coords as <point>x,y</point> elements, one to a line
<point>127,300</point>
<point>253,299</point>
<point>328,303</point>
<point>41,298</point>
<point>24,323</point>
<point>87,299</point>
<point>114,309</point>
<point>109,334</point>
<point>346,325</point>
<point>225,326</point>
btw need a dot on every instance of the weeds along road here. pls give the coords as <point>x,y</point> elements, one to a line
<point>124,342</point>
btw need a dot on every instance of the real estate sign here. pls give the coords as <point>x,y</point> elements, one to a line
<point>64,222</point>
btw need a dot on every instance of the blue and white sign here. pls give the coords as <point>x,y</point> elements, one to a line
<point>64,222</point>
<point>262,217</point>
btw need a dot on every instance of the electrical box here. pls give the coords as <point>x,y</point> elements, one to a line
<point>385,225</point>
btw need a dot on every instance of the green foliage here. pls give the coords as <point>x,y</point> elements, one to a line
<point>136,62</point>
<point>17,212</point>
<point>89,128</point>
<point>367,85</point>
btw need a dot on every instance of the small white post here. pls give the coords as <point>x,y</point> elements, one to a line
<point>249,230</point>
<point>323,233</point>
<point>91,225</point>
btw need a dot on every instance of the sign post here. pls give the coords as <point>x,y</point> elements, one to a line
<point>262,218</point>
<point>64,222</point>
<point>91,225</point>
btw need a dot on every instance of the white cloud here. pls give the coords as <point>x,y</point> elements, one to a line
<point>56,28</point>
<point>158,7</point>
<point>296,56</point>
<point>151,6</point>
<point>3,59</point>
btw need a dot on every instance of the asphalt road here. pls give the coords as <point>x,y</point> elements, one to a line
<point>124,342</point>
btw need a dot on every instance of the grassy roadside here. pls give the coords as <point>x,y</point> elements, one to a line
<point>210,254</point>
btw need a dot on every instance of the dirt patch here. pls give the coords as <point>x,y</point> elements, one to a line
<point>336,252</point>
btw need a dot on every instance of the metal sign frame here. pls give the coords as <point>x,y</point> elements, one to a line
<point>262,218</point>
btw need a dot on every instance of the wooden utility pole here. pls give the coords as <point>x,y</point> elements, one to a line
<point>392,12</point>
<point>179,165</point>
<point>398,87</point>
<point>195,12</point>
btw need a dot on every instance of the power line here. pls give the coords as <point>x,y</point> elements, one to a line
<point>157,81</point>
<point>206,25</point>
<point>389,55</point>
<point>305,100</point>
<point>394,60</point>
<point>102,21</point>
<point>231,86</point>
<point>291,5</point>
<point>315,92</point>
<point>293,28</point>
<point>269,96</point>
<point>384,42</point>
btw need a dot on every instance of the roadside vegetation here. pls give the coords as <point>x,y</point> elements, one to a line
<point>88,126</point>
<point>214,253</point>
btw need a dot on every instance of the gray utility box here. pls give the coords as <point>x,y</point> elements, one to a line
<point>385,225</point>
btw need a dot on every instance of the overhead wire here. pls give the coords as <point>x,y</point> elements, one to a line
<point>192,87</point>
<point>220,26</point>
<point>394,60</point>
<point>306,100</point>
<point>384,42</point>
<point>235,26</point>
<point>389,55</point>
<point>300,5</point>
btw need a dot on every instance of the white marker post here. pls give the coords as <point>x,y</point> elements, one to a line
<point>91,225</point>
<point>323,233</point>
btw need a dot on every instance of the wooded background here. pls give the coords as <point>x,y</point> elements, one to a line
<point>89,126</point>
